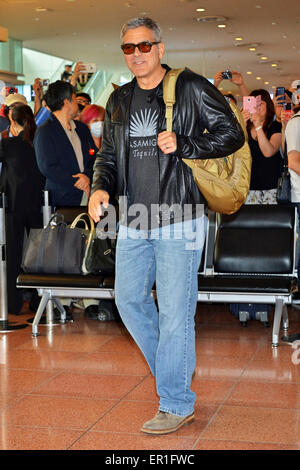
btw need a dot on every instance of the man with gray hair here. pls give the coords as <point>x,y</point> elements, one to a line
<point>143,163</point>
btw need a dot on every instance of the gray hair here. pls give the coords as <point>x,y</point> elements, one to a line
<point>143,21</point>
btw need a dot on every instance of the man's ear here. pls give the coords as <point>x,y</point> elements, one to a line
<point>161,49</point>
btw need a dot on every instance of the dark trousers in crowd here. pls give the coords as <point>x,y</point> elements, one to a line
<point>17,225</point>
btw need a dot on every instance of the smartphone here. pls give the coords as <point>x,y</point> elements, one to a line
<point>288,110</point>
<point>88,68</point>
<point>45,82</point>
<point>249,104</point>
<point>280,91</point>
<point>227,75</point>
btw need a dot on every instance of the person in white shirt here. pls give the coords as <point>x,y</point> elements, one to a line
<point>292,138</point>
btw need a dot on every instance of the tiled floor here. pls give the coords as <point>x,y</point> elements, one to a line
<point>85,386</point>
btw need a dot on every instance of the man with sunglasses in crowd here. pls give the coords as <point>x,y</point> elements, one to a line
<point>159,242</point>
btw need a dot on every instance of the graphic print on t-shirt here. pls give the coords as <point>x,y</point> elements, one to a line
<point>143,164</point>
<point>143,141</point>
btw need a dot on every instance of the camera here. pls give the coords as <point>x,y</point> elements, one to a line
<point>227,75</point>
<point>88,68</point>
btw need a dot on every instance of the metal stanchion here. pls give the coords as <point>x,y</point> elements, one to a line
<point>49,319</point>
<point>5,326</point>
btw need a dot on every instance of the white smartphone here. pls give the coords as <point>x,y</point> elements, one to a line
<point>88,68</point>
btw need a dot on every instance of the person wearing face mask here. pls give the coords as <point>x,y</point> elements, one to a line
<point>264,140</point>
<point>93,117</point>
<point>295,90</point>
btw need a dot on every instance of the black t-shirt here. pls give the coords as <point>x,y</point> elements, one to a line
<point>265,170</point>
<point>66,76</point>
<point>143,170</point>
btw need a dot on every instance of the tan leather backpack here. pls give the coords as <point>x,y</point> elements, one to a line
<point>224,182</point>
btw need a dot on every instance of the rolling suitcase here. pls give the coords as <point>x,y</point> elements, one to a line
<point>245,312</point>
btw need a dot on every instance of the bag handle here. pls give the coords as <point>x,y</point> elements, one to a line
<point>91,230</point>
<point>169,84</point>
<point>56,216</point>
<point>81,217</point>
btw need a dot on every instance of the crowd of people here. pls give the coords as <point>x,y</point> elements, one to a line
<point>51,147</point>
<point>273,133</point>
<point>68,135</point>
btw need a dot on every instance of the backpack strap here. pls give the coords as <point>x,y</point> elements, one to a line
<point>169,84</point>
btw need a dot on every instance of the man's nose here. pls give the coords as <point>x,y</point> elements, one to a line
<point>137,52</point>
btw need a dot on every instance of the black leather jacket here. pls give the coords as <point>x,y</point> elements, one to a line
<point>199,106</point>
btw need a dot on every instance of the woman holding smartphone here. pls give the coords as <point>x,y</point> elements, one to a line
<point>264,140</point>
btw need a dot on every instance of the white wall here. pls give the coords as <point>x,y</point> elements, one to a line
<point>39,65</point>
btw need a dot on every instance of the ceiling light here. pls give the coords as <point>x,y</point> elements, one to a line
<point>264,57</point>
<point>274,65</point>
<point>252,49</point>
<point>249,73</point>
<point>258,78</point>
<point>221,25</point>
<point>238,39</point>
<point>267,83</point>
<point>41,9</point>
<point>200,9</point>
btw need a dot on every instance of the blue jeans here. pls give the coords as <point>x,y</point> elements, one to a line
<point>165,337</point>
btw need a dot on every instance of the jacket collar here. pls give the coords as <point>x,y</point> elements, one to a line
<point>129,87</point>
<point>54,119</point>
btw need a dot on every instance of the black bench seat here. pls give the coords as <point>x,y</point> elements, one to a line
<point>249,257</point>
<point>61,280</point>
<point>246,284</point>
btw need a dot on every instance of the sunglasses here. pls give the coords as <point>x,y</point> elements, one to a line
<point>144,47</point>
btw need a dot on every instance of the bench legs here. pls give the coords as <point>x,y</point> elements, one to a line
<point>280,314</point>
<point>42,305</point>
<point>63,314</point>
<point>46,297</point>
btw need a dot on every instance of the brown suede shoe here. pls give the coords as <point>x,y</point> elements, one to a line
<point>164,423</point>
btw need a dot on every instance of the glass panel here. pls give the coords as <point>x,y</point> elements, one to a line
<point>17,59</point>
<point>11,59</point>
<point>4,56</point>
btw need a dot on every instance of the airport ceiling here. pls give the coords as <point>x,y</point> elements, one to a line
<point>88,30</point>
